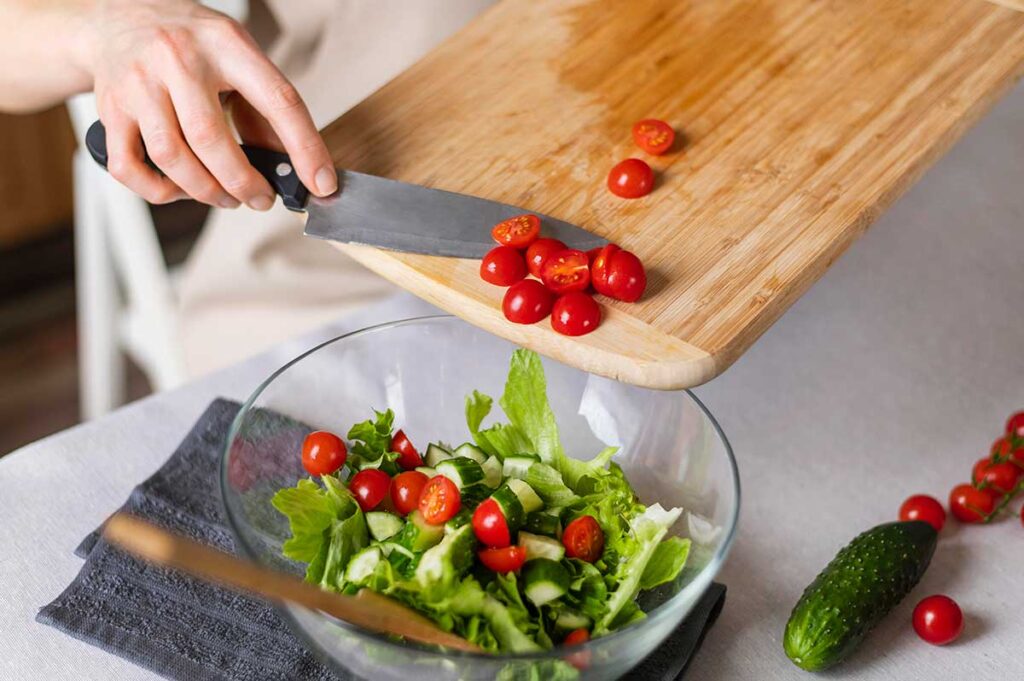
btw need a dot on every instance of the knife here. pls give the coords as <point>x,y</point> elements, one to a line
<point>388,214</point>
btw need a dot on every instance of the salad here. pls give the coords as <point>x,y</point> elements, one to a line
<point>504,540</point>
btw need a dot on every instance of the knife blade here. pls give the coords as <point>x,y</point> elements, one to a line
<point>398,216</point>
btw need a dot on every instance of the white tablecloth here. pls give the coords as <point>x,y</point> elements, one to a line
<point>889,378</point>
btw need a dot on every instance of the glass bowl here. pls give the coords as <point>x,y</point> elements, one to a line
<point>672,452</point>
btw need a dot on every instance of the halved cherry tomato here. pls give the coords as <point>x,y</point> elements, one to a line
<point>408,457</point>
<point>490,526</point>
<point>518,232</point>
<point>502,266</point>
<point>1000,477</point>
<point>575,314</point>
<point>323,453</point>
<point>938,620</point>
<point>539,251</point>
<point>566,271</point>
<point>369,487</point>
<point>599,268</point>
<point>631,179</point>
<point>626,277</point>
<point>653,136</point>
<point>440,500</point>
<point>527,302</point>
<point>926,508</point>
<point>406,488</point>
<point>584,539</point>
<point>969,504</point>
<point>508,559</point>
<point>591,254</point>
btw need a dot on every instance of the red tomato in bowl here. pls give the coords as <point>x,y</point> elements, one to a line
<point>566,271</point>
<point>538,253</point>
<point>969,504</point>
<point>406,488</point>
<point>1001,477</point>
<point>408,457</point>
<point>938,620</point>
<point>369,487</point>
<point>631,179</point>
<point>583,538</point>
<point>527,302</point>
<point>926,508</point>
<point>323,453</point>
<point>518,232</point>
<point>575,314</point>
<point>503,266</point>
<point>490,526</point>
<point>440,500</point>
<point>653,136</point>
<point>507,559</point>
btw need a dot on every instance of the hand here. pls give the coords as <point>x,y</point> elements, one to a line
<point>159,68</point>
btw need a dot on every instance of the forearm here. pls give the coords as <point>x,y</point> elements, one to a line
<point>43,52</point>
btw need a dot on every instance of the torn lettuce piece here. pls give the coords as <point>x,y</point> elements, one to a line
<point>371,443</point>
<point>500,440</point>
<point>666,563</point>
<point>470,599</point>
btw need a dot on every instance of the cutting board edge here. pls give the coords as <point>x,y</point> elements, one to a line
<point>672,364</point>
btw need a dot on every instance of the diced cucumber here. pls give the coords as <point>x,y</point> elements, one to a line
<point>389,547</point>
<point>527,497</point>
<point>383,525</point>
<point>362,564</point>
<point>418,534</point>
<point>461,518</point>
<point>427,471</point>
<point>474,494</point>
<point>436,454</point>
<point>510,507</point>
<point>544,581</point>
<point>463,471</point>
<point>470,451</point>
<point>446,562</point>
<point>538,546</point>
<point>516,466</point>
<point>542,522</point>
<point>570,620</point>
<point>492,471</point>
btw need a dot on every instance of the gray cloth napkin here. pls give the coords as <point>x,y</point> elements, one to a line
<point>183,628</point>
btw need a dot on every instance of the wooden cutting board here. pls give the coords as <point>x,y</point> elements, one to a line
<point>802,119</point>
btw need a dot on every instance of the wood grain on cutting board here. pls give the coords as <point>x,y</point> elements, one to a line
<point>802,121</point>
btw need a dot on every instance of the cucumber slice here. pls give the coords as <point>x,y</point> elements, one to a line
<point>427,471</point>
<point>527,497</point>
<point>461,518</point>
<point>470,451</point>
<point>570,620</point>
<point>463,471</point>
<point>510,507</point>
<point>544,581</point>
<point>383,525</point>
<point>542,522</point>
<point>492,472</point>
<point>449,560</point>
<point>516,466</point>
<point>389,547</point>
<point>418,534</point>
<point>474,494</point>
<point>541,547</point>
<point>362,564</point>
<point>436,454</point>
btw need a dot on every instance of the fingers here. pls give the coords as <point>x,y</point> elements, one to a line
<point>125,162</point>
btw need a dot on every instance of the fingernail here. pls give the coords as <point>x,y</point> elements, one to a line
<point>326,180</point>
<point>262,202</point>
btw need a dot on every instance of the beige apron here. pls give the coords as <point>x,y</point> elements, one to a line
<point>252,279</point>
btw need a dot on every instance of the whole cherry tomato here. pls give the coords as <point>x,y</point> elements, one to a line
<point>518,232</point>
<point>503,266</point>
<point>969,504</point>
<point>575,314</point>
<point>507,559</point>
<point>323,453</point>
<point>938,620</point>
<point>1000,477</point>
<point>369,486</point>
<point>539,251</point>
<point>576,637</point>
<point>527,302</point>
<point>653,136</point>
<point>490,526</point>
<point>566,271</point>
<point>583,538</point>
<point>631,179</point>
<point>1015,425</point>
<point>626,278</point>
<point>408,457</point>
<point>440,500</point>
<point>926,508</point>
<point>406,488</point>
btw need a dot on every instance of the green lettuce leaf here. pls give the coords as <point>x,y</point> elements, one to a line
<point>371,443</point>
<point>547,483</point>
<point>666,563</point>
<point>500,440</point>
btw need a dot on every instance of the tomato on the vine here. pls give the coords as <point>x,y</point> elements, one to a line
<point>575,314</point>
<point>968,504</point>
<point>938,620</point>
<point>440,500</point>
<point>323,453</point>
<point>408,457</point>
<point>653,136</point>
<point>507,559</point>
<point>1015,425</point>
<point>527,302</point>
<point>539,251</point>
<point>631,179</point>
<point>926,508</point>
<point>502,266</point>
<point>1001,448</point>
<point>583,538</point>
<point>490,526</point>
<point>566,271</point>
<point>1000,477</point>
<point>369,487</point>
<point>518,232</point>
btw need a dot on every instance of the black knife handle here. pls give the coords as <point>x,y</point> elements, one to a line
<point>275,166</point>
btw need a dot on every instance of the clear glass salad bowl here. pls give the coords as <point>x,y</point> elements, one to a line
<point>672,452</point>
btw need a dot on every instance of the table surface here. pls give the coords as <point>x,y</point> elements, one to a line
<point>889,378</point>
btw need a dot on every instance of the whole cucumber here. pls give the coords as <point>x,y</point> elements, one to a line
<point>856,590</point>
